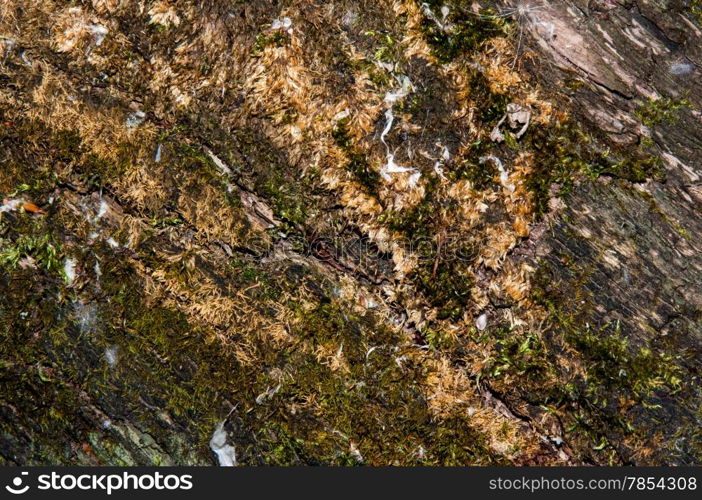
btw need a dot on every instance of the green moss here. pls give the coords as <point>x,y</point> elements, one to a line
<point>275,38</point>
<point>192,381</point>
<point>286,204</point>
<point>376,74</point>
<point>193,159</point>
<point>54,345</point>
<point>373,413</point>
<point>378,404</point>
<point>166,222</point>
<point>616,369</point>
<point>417,222</point>
<point>283,447</point>
<point>481,174</point>
<point>388,50</point>
<point>67,144</point>
<point>655,111</point>
<point>564,154</point>
<point>469,30</point>
<point>415,102</point>
<point>37,156</point>
<point>443,275</point>
<point>458,444</point>
<point>491,106</point>
<point>561,153</point>
<point>287,192</point>
<point>173,381</point>
<point>356,164</point>
<point>438,339</point>
<point>448,289</point>
<point>696,9</point>
<point>90,171</point>
<point>33,379</point>
<point>637,168</point>
<point>521,354</point>
<point>43,249</point>
<point>573,84</point>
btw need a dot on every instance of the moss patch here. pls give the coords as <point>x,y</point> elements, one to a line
<point>356,165</point>
<point>462,31</point>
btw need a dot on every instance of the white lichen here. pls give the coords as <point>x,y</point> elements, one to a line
<point>7,45</point>
<point>441,23</point>
<point>226,453</point>
<point>99,33</point>
<point>355,453</point>
<point>221,166</point>
<point>102,209</point>
<point>439,163</point>
<point>516,116</point>
<point>681,68</point>
<point>391,167</point>
<point>69,270</point>
<point>135,119</point>
<point>482,322</point>
<point>112,355</point>
<point>85,316</point>
<point>284,23</point>
<point>504,176</point>
<point>267,394</point>
<point>11,205</point>
<point>350,19</point>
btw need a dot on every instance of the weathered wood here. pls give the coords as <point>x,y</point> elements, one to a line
<point>634,249</point>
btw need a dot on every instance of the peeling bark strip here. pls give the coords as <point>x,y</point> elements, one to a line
<point>391,233</point>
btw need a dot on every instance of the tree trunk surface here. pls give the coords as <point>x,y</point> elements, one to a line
<point>348,232</point>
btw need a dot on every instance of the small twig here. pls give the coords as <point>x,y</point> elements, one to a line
<point>438,255</point>
<point>519,46</point>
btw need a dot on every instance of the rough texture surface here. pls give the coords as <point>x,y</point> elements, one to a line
<point>313,232</point>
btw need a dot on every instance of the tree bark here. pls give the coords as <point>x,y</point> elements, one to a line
<point>391,233</point>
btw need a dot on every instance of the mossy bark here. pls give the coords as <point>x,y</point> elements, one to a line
<point>623,257</point>
<point>221,239</point>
